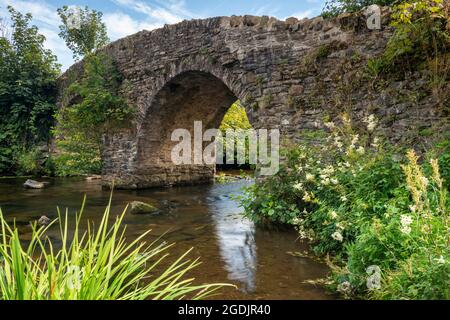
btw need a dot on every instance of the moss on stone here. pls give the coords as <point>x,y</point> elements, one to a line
<point>138,207</point>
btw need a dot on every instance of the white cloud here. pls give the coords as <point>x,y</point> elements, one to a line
<point>158,14</point>
<point>46,18</point>
<point>120,25</point>
<point>178,7</point>
<point>58,47</point>
<point>41,11</point>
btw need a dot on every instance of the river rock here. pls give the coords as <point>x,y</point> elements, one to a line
<point>93,178</point>
<point>44,221</point>
<point>31,184</point>
<point>138,207</point>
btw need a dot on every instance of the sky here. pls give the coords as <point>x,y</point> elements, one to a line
<point>125,17</point>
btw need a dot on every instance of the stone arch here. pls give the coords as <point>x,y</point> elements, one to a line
<point>290,75</point>
<point>193,95</point>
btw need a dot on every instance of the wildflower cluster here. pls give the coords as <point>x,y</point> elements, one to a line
<point>367,209</point>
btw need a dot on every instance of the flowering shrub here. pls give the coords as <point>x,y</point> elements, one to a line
<point>350,197</point>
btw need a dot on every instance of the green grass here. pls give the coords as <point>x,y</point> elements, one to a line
<point>99,264</point>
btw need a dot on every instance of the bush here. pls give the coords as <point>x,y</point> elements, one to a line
<point>29,162</point>
<point>370,212</point>
<point>96,265</point>
<point>28,75</point>
<point>77,157</point>
<point>421,38</point>
<point>81,126</point>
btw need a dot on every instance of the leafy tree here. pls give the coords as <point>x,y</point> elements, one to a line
<point>99,110</point>
<point>421,40</point>
<point>235,119</point>
<point>28,75</point>
<point>83,30</point>
<point>4,28</point>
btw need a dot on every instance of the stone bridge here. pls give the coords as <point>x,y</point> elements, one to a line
<point>288,74</point>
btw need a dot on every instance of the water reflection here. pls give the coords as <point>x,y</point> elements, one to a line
<point>205,218</point>
<point>235,236</point>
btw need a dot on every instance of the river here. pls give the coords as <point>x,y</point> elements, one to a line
<point>232,248</point>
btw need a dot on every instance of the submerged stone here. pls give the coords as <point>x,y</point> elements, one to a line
<point>138,207</point>
<point>31,184</point>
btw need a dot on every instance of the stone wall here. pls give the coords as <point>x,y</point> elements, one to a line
<point>288,74</point>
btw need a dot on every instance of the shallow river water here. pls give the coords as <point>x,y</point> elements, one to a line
<point>231,248</point>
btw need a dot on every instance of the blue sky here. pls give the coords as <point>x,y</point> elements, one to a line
<point>125,17</point>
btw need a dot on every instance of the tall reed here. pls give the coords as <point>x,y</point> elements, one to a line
<point>98,264</point>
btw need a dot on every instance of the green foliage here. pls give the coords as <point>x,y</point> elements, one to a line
<point>78,156</point>
<point>356,202</point>
<point>421,35</point>
<point>335,7</point>
<point>27,93</point>
<point>30,162</point>
<point>93,265</point>
<point>82,125</point>
<point>83,30</point>
<point>235,119</point>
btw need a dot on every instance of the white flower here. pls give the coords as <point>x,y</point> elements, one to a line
<point>334,181</point>
<point>344,199</point>
<point>361,150</point>
<point>424,181</point>
<point>330,125</point>
<point>371,122</point>
<point>328,170</point>
<point>340,226</point>
<point>309,177</point>
<point>441,260</point>
<point>307,197</point>
<point>355,139</point>
<point>337,236</point>
<point>413,209</point>
<point>376,142</point>
<point>405,229</point>
<point>333,214</point>
<point>298,186</point>
<point>346,119</point>
<point>405,222</point>
<point>326,182</point>
<point>337,142</point>
<point>347,164</point>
